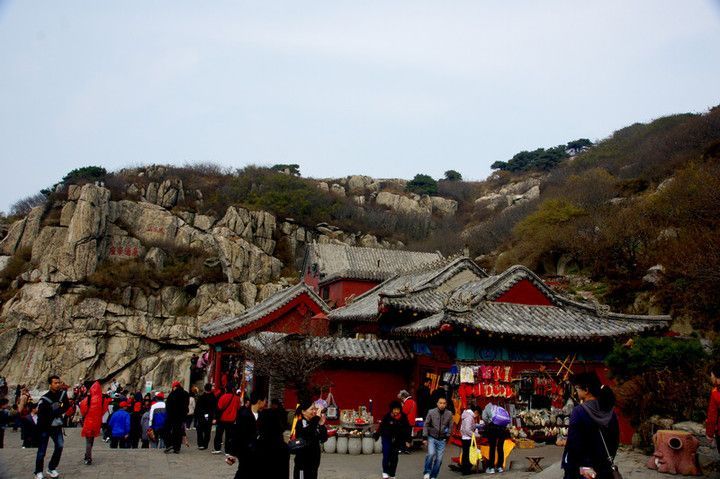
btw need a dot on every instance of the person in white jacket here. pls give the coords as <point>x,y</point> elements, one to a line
<point>468,425</point>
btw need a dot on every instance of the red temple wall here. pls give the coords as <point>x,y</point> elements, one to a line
<point>353,388</point>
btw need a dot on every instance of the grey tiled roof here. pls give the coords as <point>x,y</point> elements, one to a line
<point>352,262</point>
<point>554,322</point>
<point>330,347</point>
<point>452,290</point>
<point>421,290</point>
<point>260,310</point>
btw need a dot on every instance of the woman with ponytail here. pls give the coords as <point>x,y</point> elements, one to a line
<point>594,433</point>
<point>311,429</point>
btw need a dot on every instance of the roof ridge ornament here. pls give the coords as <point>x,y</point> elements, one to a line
<point>602,310</point>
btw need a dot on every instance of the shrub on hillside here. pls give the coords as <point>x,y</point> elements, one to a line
<point>452,175</point>
<point>646,354</point>
<point>182,265</point>
<point>422,185</point>
<point>84,175</point>
<point>545,231</point>
<point>659,376</point>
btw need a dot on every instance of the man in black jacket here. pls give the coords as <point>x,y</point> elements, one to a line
<point>176,408</point>
<point>244,446</point>
<point>51,408</point>
<point>204,413</point>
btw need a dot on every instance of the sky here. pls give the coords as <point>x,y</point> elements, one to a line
<point>386,88</point>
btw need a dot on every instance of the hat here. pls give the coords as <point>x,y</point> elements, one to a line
<point>160,395</point>
<point>123,404</point>
<point>176,384</point>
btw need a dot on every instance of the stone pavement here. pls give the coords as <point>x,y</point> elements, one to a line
<point>191,463</point>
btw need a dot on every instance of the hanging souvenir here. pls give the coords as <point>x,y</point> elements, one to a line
<point>332,411</point>
<point>466,375</point>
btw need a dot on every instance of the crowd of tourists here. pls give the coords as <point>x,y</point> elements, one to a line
<point>247,431</point>
<point>251,433</point>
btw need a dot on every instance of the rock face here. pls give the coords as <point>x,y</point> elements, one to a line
<point>511,194</point>
<point>56,322</point>
<point>424,206</point>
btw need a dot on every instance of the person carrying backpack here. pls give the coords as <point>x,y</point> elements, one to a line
<point>157,419</point>
<point>51,407</point>
<point>496,420</point>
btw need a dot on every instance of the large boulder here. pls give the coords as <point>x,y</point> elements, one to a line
<point>358,184</point>
<point>403,204</point>
<point>443,206</point>
<point>257,227</point>
<point>243,261</point>
<point>170,193</point>
<point>22,233</point>
<point>337,189</point>
<point>217,300</point>
<point>150,223</point>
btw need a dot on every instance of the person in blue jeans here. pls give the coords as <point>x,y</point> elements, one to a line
<point>51,408</point>
<point>436,432</point>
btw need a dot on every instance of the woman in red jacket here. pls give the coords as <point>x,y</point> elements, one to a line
<point>92,409</point>
<point>227,409</point>
<point>712,431</point>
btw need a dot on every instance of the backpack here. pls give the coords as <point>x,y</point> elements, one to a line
<point>57,420</point>
<point>159,419</point>
<point>500,418</point>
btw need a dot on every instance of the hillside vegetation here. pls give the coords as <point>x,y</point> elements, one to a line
<point>648,195</point>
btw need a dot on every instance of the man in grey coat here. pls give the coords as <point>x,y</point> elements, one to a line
<point>436,432</point>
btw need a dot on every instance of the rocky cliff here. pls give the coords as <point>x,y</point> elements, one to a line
<point>74,309</point>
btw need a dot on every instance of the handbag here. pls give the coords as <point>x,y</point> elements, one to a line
<point>295,444</point>
<point>332,409</point>
<point>474,454</point>
<point>615,472</point>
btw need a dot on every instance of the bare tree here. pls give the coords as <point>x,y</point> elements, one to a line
<point>287,360</point>
<point>23,206</point>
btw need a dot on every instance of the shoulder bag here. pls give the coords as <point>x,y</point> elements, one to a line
<point>615,472</point>
<point>295,444</point>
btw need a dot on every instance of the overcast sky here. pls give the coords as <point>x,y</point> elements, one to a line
<point>383,88</point>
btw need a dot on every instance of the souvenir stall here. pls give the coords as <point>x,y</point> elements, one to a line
<point>538,397</point>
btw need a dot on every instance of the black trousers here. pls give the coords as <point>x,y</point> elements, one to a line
<point>390,457</point>
<point>219,429</point>
<point>306,469</point>
<point>120,442</point>
<point>496,437</point>
<point>249,467</point>
<point>203,432</point>
<point>174,434</point>
<point>465,466</point>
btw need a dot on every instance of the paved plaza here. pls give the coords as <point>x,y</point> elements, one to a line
<point>16,462</point>
<point>191,463</point>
